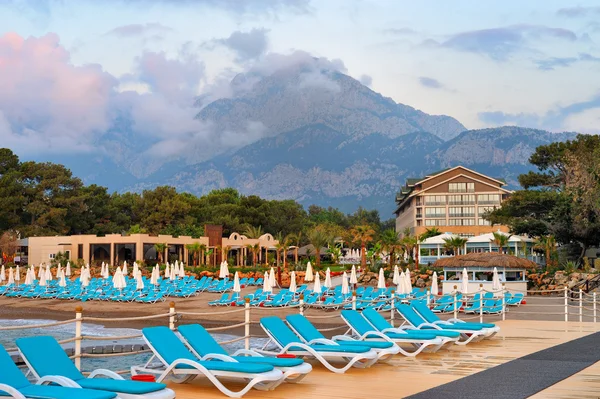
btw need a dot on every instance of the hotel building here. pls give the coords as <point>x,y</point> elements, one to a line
<point>452,200</point>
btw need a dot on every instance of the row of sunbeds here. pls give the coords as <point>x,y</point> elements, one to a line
<point>192,352</point>
<point>489,304</point>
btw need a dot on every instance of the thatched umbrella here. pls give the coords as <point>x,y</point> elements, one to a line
<point>486,259</point>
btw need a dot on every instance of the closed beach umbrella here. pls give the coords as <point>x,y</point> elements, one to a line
<point>124,271</point>
<point>17,274</point>
<point>173,275</point>
<point>309,273</point>
<point>139,285</point>
<point>236,283</point>
<point>495,281</point>
<point>434,284</point>
<point>58,271</point>
<point>2,274</point>
<point>464,286</point>
<point>272,281</point>
<point>167,271</point>
<point>221,271</point>
<point>293,287</point>
<point>41,273</point>
<point>68,271</point>
<point>116,279</point>
<point>408,286</point>
<point>11,276</point>
<point>353,278</point>
<point>328,283</point>
<point>345,287</point>
<point>48,273</point>
<point>396,275</point>
<point>42,281</point>
<point>134,270</point>
<point>225,269</point>
<point>266,283</point>
<point>381,279</point>
<point>28,279</point>
<point>84,279</point>
<point>62,282</point>
<point>181,270</point>
<point>401,284</point>
<point>317,286</point>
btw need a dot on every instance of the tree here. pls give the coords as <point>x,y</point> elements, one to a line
<point>254,249</point>
<point>160,250</point>
<point>430,232</point>
<point>253,232</point>
<point>320,236</point>
<point>410,243</point>
<point>454,244</point>
<point>162,208</point>
<point>546,245</point>
<point>194,249</point>
<point>500,240</point>
<point>363,234</point>
<point>391,243</point>
<point>8,246</point>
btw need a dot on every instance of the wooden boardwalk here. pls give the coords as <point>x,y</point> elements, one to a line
<point>405,376</point>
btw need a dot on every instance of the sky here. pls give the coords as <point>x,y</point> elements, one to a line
<point>70,70</point>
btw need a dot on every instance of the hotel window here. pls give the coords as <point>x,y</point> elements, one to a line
<point>483,222</point>
<point>461,222</point>
<point>462,211</point>
<point>461,187</point>
<point>435,200</point>
<point>481,210</point>
<point>461,200</point>
<point>488,198</point>
<point>435,222</point>
<point>435,212</point>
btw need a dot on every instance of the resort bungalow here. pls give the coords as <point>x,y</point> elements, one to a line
<point>435,248</point>
<point>480,268</point>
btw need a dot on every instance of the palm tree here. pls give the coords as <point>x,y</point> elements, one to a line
<point>254,249</point>
<point>194,249</point>
<point>253,232</point>
<point>363,234</point>
<point>500,240</point>
<point>202,248</point>
<point>454,244</point>
<point>390,242</point>
<point>319,236</point>
<point>430,232</point>
<point>160,250</point>
<point>546,244</point>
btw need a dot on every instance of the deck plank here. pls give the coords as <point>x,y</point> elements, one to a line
<point>405,376</point>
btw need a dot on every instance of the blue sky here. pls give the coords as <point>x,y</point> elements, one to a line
<point>533,63</point>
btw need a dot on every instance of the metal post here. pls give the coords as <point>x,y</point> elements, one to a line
<point>503,293</point>
<point>302,304</point>
<point>78,316</point>
<point>481,303</point>
<point>594,298</point>
<point>393,308</point>
<point>247,326</point>
<point>566,304</point>
<point>172,315</point>
<point>580,305</point>
<point>353,300</point>
<point>455,303</point>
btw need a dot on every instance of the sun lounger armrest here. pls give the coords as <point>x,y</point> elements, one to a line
<point>59,380</point>
<point>398,329</point>
<point>429,325</point>
<point>343,338</point>
<point>11,391</point>
<point>453,320</point>
<point>219,356</point>
<point>376,333</point>
<point>247,352</point>
<point>323,341</point>
<point>105,373</point>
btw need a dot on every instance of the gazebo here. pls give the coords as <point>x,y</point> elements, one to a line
<point>480,267</point>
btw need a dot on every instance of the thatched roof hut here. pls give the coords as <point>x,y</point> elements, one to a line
<point>485,260</point>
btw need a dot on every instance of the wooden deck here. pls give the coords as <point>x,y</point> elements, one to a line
<point>405,376</point>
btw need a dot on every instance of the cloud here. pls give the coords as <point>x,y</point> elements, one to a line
<point>366,80</point>
<point>552,63</point>
<point>246,45</point>
<point>430,82</point>
<point>578,12</point>
<point>559,119</point>
<point>134,30</point>
<point>238,6</point>
<point>500,43</point>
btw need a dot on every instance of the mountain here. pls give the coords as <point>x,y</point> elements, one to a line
<point>317,136</point>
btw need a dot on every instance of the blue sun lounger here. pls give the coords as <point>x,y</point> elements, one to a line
<point>14,384</point>
<point>46,359</point>
<point>289,343</point>
<point>204,346</point>
<point>177,362</point>
<point>308,332</point>
<point>361,327</point>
